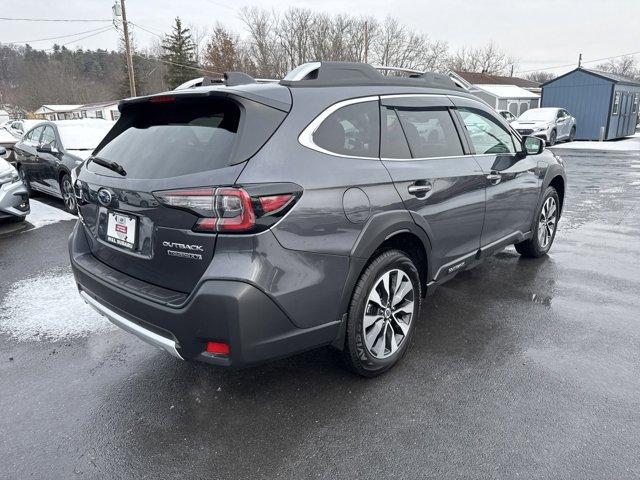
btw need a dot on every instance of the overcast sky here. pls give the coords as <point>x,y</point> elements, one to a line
<point>539,33</point>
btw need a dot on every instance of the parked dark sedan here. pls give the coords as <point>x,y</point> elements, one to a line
<point>48,152</point>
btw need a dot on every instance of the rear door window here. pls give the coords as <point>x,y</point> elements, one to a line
<point>33,137</point>
<point>393,143</point>
<point>172,139</point>
<point>353,130</point>
<point>430,132</point>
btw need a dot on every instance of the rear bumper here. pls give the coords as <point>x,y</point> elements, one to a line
<point>14,200</point>
<point>233,312</point>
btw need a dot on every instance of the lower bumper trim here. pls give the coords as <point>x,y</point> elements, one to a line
<point>144,334</point>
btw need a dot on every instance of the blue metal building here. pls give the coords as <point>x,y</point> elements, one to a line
<point>605,105</point>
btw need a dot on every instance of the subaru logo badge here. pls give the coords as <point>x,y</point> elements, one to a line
<point>104,197</point>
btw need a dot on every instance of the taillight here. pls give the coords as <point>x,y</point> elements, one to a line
<point>228,209</point>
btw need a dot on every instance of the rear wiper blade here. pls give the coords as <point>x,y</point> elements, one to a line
<point>114,166</point>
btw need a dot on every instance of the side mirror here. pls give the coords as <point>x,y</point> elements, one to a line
<point>48,148</point>
<point>533,145</point>
<point>3,151</point>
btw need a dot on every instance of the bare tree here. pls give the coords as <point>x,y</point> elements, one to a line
<point>540,77</point>
<point>625,66</point>
<point>488,59</point>
<point>199,36</point>
<point>264,56</point>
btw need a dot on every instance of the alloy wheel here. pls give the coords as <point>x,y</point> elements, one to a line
<point>68,195</point>
<point>547,222</point>
<point>388,313</point>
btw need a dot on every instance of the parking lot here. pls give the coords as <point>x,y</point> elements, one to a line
<point>518,369</point>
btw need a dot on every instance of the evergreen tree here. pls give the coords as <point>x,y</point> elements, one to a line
<point>179,52</point>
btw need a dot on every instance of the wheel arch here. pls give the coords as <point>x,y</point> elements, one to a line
<point>385,231</point>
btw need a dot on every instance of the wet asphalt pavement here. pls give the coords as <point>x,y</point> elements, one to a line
<point>518,369</point>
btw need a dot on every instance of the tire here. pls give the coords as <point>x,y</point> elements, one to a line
<point>552,138</point>
<point>572,134</point>
<point>25,180</point>
<point>376,343</point>
<point>68,195</point>
<point>541,240</point>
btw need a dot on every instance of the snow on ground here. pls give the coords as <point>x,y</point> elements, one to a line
<point>43,214</point>
<point>629,144</point>
<point>33,309</point>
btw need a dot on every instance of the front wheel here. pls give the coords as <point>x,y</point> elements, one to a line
<point>25,181</point>
<point>552,138</point>
<point>384,308</point>
<point>545,227</point>
<point>572,134</point>
<point>68,195</point>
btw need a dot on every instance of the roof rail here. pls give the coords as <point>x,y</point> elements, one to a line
<point>332,74</point>
<point>228,79</point>
<point>388,68</point>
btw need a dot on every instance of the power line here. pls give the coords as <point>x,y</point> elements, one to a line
<point>54,38</point>
<point>584,61</point>
<point>145,29</point>
<point>169,62</point>
<point>55,19</point>
<point>104,30</point>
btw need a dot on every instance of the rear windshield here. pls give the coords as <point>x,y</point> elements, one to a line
<point>159,140</point>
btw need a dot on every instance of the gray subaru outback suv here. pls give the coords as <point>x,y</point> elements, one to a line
<point>238,223</point>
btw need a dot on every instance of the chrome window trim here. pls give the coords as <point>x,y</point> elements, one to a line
<point>306,137</point>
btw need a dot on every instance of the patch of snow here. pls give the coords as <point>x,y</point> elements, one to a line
<point>629,144</point>
<point>6,137</point>
<point>43,214</point>
<point>33,309</point>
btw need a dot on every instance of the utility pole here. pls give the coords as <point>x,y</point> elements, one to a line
<point>511,75</point>
<point>366,41</point>
<point>127,44</point>
<point>579,60</point>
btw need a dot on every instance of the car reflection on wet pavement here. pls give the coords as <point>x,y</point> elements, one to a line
<point>518,368</point>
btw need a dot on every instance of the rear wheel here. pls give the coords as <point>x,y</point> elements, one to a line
<point>545,228</point>
<point>68,195</point>
<point>384,308</point>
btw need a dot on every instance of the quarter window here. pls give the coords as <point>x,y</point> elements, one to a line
<point>393,143</point>
<point>353,130</point>
<point>430,132</point>
<point>486,134</point>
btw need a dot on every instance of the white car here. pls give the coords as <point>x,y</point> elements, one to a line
<point>549,123</point>
<point>18,128</point>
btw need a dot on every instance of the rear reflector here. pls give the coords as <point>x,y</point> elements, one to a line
<point>274,203</point>
<point>217,348</point>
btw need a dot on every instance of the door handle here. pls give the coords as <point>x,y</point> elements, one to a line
<point>419,189</point>
<point>494,178</point>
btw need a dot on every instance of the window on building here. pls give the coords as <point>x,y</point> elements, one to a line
<point>83,113</point>
<point>486,134</point>
<point>99,114</point>
<point>636,100</point>
<point>616,104</point>
<point>353,130</point>
<point>430,132</point>
<point>115,115</point>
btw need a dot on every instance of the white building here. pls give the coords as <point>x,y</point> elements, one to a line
<point>56,112</point>
<point>106,110</point>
